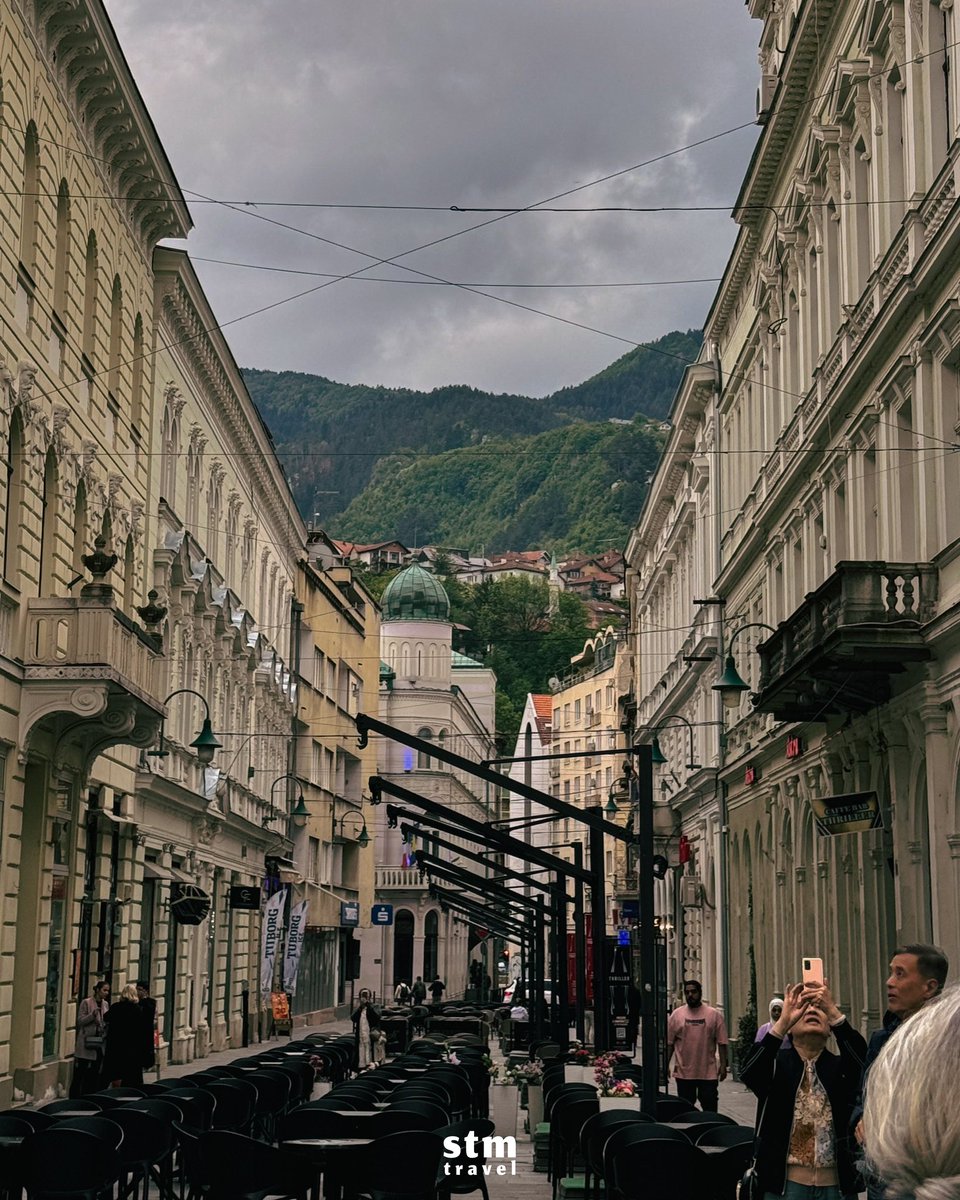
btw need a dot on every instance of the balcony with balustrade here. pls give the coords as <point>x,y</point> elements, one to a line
<point>840,651</point>
<point>90,672</point>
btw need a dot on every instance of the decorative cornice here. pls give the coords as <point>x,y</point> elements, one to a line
<point>85,59</point>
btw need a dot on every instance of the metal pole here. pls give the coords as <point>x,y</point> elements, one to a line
<point>642,786</point>
<point>601,1013</point>
<point>561,1023</point>
<point>580,945</point>
<point>536,978</point>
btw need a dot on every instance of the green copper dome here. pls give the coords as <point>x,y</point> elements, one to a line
<point>415,595</point>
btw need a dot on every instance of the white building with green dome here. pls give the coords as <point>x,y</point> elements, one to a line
<point>430,690</point>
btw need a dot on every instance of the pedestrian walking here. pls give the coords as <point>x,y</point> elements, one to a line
<point>88,1050</point>
<point>437,988</point>
<point>911,1122</point>
<point>402,993</point>
<point>696,1040</point>
<point>419,990</point>
<point>775,1008</point>
<point>148,1007</point>
<point>366,1026</point>
<point>918,972</point>
<point>806,1096</point>
<point>125,1037</point>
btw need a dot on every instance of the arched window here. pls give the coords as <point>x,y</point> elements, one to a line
<point>194,465</point>
<point>424,761</point>
<point>48,524</point>
<point>79,526</point>
<point>90,298</point>
<point>211,538</point>
<point>116,329</point>
<point>13,515</point>
<point>230,557</point>
<point>129,593</point>
<point>28,212</point>
<point>137,367</point>
<point>61,259</point>
<point>171,447</point>
<point>431,945</point>
<point>402,946</point>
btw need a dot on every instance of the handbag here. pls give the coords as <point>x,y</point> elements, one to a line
<point>95,1041</point>
<point>749,1186</point>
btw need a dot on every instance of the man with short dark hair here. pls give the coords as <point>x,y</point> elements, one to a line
<point>696,1038</point>
<point>918,972</point>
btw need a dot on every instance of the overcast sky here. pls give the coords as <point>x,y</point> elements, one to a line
<point>449,102</point>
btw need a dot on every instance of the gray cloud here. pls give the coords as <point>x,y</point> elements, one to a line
<point>449,102</point>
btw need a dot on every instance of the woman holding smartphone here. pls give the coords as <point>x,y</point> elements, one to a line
<point>806,1097</point>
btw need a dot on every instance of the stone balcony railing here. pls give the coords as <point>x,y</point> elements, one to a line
<point>392,878</point>
<point>85,659</point>
<point>837,651</point>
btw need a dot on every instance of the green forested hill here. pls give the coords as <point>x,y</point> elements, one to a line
<point>336,439</point>
<point>577,487</point>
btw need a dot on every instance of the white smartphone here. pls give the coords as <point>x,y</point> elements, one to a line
<point>813,971</point>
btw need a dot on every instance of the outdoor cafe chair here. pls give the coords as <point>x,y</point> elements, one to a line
<point>380,1177</point>
<point>656,1169</point>
<point>146,1153</point>
<point>101,1127</point>
<point>449,1183</point>
<point>240,1168</point>
<point>68,1164</point>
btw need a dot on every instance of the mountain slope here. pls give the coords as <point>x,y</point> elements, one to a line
<point>330,436</point>
<point>577,487</point>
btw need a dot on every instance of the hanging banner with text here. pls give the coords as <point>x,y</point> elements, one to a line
<point>296,932</point>
<point>272,922</point>
<point>856,812</point>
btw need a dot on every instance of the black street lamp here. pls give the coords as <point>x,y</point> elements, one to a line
<point>299,814</point>
<point>731,685</point>
<point>362,838</point>
<point>205,743</point>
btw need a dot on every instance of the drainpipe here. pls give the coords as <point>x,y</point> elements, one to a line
<point>721,791</point>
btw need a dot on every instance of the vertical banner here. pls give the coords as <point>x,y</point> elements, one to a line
<point>296,932</point>
<point>272,921</point>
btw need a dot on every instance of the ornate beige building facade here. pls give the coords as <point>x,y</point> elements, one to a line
<point>151,560</point>
<point>806,498</point>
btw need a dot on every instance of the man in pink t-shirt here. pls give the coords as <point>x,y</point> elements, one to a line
<point>696,1036</point>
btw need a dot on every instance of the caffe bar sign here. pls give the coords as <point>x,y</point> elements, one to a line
<point>855,812</point>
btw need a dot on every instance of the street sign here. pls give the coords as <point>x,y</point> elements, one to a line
<point>855,812</point>
<point>381,914</point>
<point>630,910</point>
<point>245,897</point>
<point>481,933</point>
<point>349,912</point>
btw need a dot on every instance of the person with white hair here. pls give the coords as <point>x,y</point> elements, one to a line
<point>911,1120</point>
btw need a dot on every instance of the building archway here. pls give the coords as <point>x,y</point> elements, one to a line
<point>431,945</point>
<point>402,946</point>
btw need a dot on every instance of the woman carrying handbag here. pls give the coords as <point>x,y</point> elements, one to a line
<point>88,1049</point>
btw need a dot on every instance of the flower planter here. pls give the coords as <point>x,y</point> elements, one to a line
<point>576,1074</point>
<point>619,1102</point>
<point>534,1106</point>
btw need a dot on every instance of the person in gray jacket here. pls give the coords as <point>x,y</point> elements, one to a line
<point>88,1049</point>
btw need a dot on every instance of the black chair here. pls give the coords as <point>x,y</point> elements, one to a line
<point>554,1103</point>
<point>449,1182</point>
<point>727,1161</point>
<point>112,1097</point>
<point>593,1137</point>
<point>569,1120</point>
<point>68,1164</point>
<point>381,1175</point>
<point>34,1117</point>
<point>196,1105</point>
<point>101,1127</point>
<point>626,1135</point>
<point>672,1107</point>
<point>240,1168</point>
<point>657,1169</point>
<point>146,1152</point>
<point>696,1117</point>
<point>164,1108</point>
<point>168,1085</point>
<point>725,1135</point>
<point>234,1106</point>
<point>13,1127</point>
<point>432,1112</point>
<point>55,1107</point>
<point>193,1182</point>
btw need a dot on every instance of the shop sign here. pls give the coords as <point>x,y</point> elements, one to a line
<point>855,812</point>
<point>751,775</point>
<point>245,897</point>
<point>381,914</point>
<point>794,747</point>
<point>349,912</point>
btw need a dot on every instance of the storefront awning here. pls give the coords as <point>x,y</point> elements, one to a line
<point>152,871</point>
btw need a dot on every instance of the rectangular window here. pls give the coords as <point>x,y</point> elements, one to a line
<point>313,859</point>
<point>316,764</point>
<point>326,779</point>
<point>318,661</point>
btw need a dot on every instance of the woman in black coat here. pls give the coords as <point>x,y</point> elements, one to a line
<point>806,1097</point>
<point>125,1037</point>
<point>366,1026</point>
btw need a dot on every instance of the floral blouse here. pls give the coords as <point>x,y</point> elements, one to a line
<point>811,1140</point>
